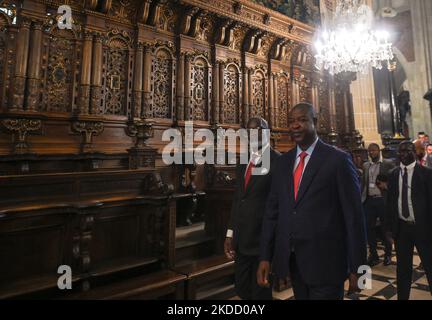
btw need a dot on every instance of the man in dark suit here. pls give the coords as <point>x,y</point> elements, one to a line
<point>314,225</point>
<point>373,201</point>
<point>409,216</point>
<point>244,230</point>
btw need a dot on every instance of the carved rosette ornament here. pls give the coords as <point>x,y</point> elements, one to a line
<point>88,129</point>
<point>20,128</point>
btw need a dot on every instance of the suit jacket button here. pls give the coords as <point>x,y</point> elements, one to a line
<point>295,212</point>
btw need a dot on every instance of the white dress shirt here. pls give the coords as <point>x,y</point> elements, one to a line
<point>255,157</point>
<point>410,170</point>
<point>374,170</point>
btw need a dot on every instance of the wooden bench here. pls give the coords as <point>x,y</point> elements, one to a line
<point>101,224</point>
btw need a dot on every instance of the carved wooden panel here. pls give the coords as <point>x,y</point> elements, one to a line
<point>324,104</point>
<point>115,79</point>
<point>284,100</point>
<point>206,29</point>
<point>237,39</point>
<point>162,74</point>
<point>167,19</point>
<point>305,89</point>
<point>200,89</point>
<point>125,10</point>
<point>3,54</point>
<point>8,63</point>
<point>258,94</point>
<point>232,87</point>
<point>60,68</point>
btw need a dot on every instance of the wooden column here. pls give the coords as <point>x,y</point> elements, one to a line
<point>245,96</point>
<point>33,80</point>
<point>221,92</point>
<point>22,52</point>
<point>315,94</point>
<point>276,102</point>
<point>296,92</point>
<point>332,104</point>
<point>187,93</point>
<point>96,79</point>
<point>138,82</point>
<point>268,114</point>
<point>84,100</point>
<point>250,92</point>
<point>147,103</point>
<point>180,87</point>
<point>216,110</point>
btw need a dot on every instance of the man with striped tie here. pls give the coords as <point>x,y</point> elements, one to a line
<point>314,227</point>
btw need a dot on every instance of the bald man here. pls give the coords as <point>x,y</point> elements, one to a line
<point>314,227</point>
<point>244,230</point>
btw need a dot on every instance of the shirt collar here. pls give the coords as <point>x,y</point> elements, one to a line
<point>409,167</point>
<point>378,162</point>
<point>255,157</point>
<point>309,151</point>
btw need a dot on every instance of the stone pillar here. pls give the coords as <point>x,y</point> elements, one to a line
<point>187,94</point>
<point>419,72</point>
<point>22,52</point>
<point>138,82</point>
<point>147,103</point>
<point>96,79</point>
<point>33,80</point>
<point>180,87</point>
<point>221,92</point>
<point>215,102</point>
<point>86,65</point>
<point>364,108</point>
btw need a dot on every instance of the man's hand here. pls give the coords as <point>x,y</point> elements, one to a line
<point>263,274</point>
<point>353,284</point>
<point>228,248</point>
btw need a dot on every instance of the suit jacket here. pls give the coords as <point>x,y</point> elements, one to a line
<point>421,197</point>
<point>386,167</point>
<point>325,226</point>
<point>248,208</point>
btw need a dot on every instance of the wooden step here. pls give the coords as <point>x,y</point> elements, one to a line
<point>192,243</point>
<point>157,285</point>
<point>208,278</point>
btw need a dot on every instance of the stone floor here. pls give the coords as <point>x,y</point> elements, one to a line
<point>383,284</point>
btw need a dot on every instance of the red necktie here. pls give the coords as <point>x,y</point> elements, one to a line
<point>248,174</point>
<point>298,173</point>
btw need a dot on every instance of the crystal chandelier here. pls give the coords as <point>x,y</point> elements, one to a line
<point>348,43</point>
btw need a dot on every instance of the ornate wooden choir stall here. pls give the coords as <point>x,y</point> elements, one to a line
<point>82,113</point>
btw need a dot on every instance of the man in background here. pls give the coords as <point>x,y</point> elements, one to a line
<point>428,156</point>
<point>244,230</point>
<point>373,202</point>
<point>409,216</point>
